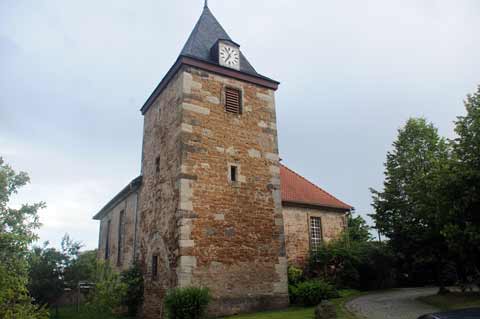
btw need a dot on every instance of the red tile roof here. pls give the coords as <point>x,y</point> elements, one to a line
<point>297,189</point>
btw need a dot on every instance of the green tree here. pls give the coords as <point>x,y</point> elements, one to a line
<point>52,270</point>
<point>410,210</point>
<point>17,232</point>
<point>82,268</point>
<point>358,230</point>
<point>463,190</point>
<point>46,274</point>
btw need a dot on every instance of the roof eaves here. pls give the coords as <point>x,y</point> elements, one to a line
<point>127,190</point>
<point>317,187</point>
<point>316,206</point>
<point>161,85</point>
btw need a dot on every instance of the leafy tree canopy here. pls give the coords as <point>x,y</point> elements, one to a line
<point>462,190</point>
<point>409,210</point>
<point>358,230</point>
<point>52,270</point>
<point>17,232</point>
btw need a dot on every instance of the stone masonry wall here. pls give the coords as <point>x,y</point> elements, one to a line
<point>231,235</point>
<point>159,196</point>
<point>297,230</point>
<point>128,205</point>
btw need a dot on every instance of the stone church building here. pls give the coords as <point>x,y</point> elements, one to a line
<point>213,206</point>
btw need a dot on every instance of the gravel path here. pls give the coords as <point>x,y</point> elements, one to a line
<point>393,304</point>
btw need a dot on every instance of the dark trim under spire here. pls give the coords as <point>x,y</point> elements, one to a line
<point>197,52</point>
<point>214,68</point>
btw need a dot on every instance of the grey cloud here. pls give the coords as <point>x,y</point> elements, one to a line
<point>74,75</point>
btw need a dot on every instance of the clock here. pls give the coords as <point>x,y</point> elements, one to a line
<point>229,56</point>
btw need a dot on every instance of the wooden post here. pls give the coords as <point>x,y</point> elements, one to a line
<point>78,297</point>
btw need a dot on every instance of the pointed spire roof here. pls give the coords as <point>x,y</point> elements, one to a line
<point>205,34</point>
<point>197,53</point>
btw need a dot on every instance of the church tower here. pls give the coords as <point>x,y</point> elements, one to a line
<point>210,209</point>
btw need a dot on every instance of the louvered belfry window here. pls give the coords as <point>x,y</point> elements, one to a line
<point>233,100</point>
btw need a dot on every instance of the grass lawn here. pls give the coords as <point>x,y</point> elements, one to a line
<point>290,313</point>
<point>306,313</point>
<point>454,300</point>
<point>69,312</point>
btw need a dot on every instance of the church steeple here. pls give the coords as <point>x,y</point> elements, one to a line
<point>206,33</point>
<point>210,48</point>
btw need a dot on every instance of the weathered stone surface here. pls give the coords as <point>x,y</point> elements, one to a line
<point>122,258</point>
<point>219,216</point>
<point>160,197</point>
<point>238,229</point>
<point>195,108</point>
<point>254,153</point>
<point>325,310</point>
<point>205,229</point>
<point>272,157</point>
<point>297,229</point>
<point>213,99</point>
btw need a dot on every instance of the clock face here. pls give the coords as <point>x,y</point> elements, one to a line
<point>229,56</point>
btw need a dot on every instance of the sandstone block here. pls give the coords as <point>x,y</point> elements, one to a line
<point>186,128</point>
<point>196,108</point>
<point>213,99</point>
<point>254,153</point>
<point>272,157</point>
<point>186,243</point>
<point>219,217</point>
<point>262,124</point>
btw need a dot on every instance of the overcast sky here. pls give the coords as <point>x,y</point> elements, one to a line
<point>74,74</point>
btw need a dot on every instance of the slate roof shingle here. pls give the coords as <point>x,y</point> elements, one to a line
<point>205,34</point>
<point>296,189</point>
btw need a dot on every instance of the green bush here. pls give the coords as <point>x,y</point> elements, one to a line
<point>133,279</point>
<point>353,264</point>
<point>293,294</point>
<point>336,262</point>
<point>312,292</point>
<point>187,303</point>
<point>109,291</point>
<point>377,269</point>
<point>295,275</point>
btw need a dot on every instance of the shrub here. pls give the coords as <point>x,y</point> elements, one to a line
<point>133,279</point>
<point>109,291</point>
<point>187,303</point>
<point>293,293</point>
<point>336,262</point>
<point>312,292</point>
<point>350,264</point>
<point>377,268</point>
<point>295,275</point>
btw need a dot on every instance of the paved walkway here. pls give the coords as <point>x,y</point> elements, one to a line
<point>393,304</point>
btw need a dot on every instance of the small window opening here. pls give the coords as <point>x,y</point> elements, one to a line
<point>233,100</point>
<point>154,267</point>
<point>121,226</point>
<point>233,173</point>
<point>107,241</point>
<point>157,164</point>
